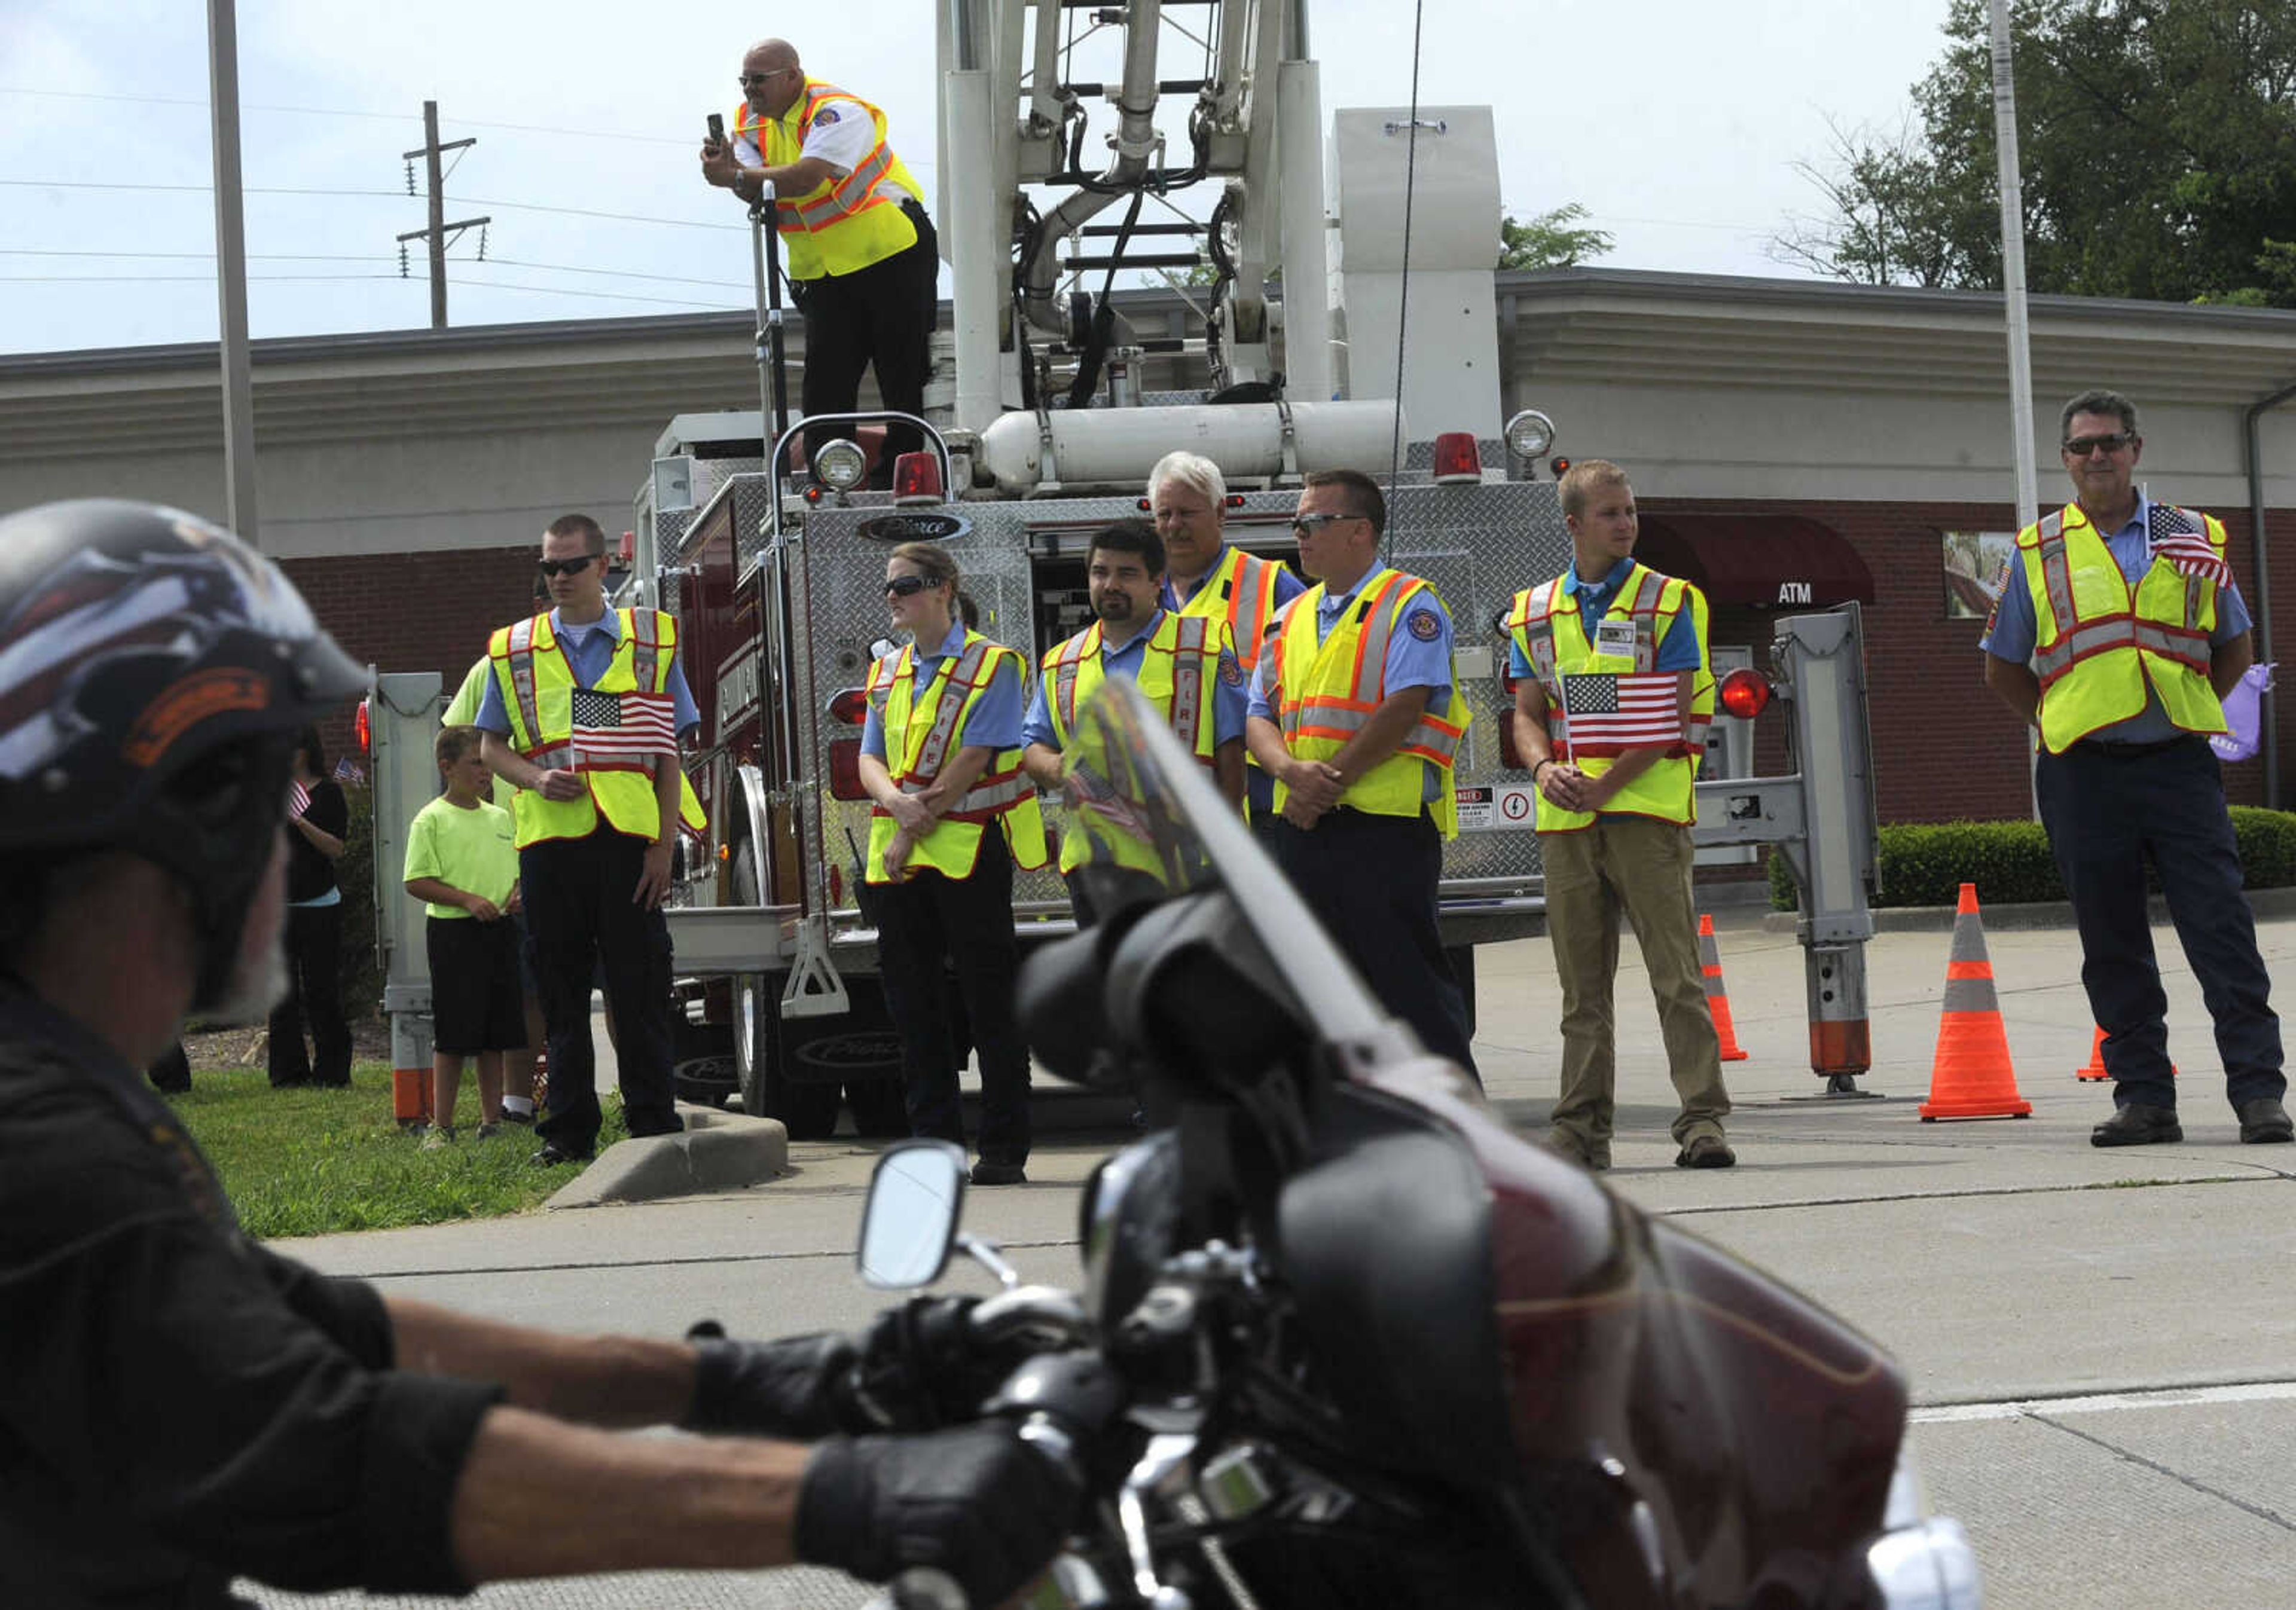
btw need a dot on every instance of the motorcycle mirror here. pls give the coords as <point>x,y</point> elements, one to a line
<point>916,1193</point>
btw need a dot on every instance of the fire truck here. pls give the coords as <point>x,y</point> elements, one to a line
<point>1056,392</point>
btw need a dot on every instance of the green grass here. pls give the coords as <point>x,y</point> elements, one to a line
<point>312,1161</point>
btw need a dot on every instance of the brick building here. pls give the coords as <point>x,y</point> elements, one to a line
<point>1791,439</point>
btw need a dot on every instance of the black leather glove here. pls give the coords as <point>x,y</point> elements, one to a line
<point>797,1387</point>
<point>914,1367</point>
<point>976,1502</point>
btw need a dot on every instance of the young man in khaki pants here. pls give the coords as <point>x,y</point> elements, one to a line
<point>1614,693</point>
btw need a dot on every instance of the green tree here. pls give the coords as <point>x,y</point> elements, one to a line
<point>2158,143</point>
<point>1552,240</point>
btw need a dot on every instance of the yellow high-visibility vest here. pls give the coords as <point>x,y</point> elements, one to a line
<point>1324,694</point>
<point>1545,624</point>
<point>921,733</point>
<point>843,224</point>
<point>1240,590</point>
<point>1183,657</point>
<point>537,690</point>
<point>2095,647</point>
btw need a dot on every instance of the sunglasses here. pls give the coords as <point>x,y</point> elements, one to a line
<point>750,80</point>
<point>1307,525</point>
<point>567,567</point>
<point>2081,446</point>
<point>908,586</point>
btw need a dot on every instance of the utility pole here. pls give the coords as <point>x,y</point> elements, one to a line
<point>231,272</point>
<point>437,233</point>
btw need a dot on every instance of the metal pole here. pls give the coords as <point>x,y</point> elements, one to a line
<point>773,369</point>
<point>2262,614</point>
<point>231,273</point>
<point>438,231</point>
<point>2013,297</point>
<point>2013,268</point>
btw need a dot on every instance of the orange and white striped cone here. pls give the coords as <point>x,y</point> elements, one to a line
<point>1971,1076</point>
<point>2094,1071</point>
<point>1717,999</point>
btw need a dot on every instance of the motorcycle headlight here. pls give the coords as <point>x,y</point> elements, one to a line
<point>1923,1562</point>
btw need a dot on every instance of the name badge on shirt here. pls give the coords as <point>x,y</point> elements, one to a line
<point>1614,637</point>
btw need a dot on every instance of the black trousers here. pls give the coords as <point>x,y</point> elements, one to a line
<point>883,314</point>
<point>2106,809</point>
<point>1371,880</point>
<point>926,924</point>
<point>314,1000</point>
<point>581,918</point>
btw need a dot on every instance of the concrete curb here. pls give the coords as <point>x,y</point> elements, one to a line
<point>2032,914</point>
<point>717,1151</point>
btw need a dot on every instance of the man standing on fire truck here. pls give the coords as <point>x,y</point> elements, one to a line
<point>1206,575</point>
<point>584,717</point>
<point>1356,714</point>
<point>1610,663</point>
<point>857,244</point>
<point>1184,664</point>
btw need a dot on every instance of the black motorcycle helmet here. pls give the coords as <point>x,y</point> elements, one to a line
<point>154,672</point>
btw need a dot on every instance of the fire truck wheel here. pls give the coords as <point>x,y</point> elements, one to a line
<point>808,1111</point>
<point>881,1111</point>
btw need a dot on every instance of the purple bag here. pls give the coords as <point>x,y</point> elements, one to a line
<point>2242,707</point>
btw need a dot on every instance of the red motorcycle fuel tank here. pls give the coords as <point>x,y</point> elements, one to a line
<point>1702,1433</point>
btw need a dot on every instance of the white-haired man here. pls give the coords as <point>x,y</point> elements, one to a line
<point>1206,575</point>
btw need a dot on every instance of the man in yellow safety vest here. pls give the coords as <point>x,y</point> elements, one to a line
<point>1184,664</point>
<point>1614,694</point>
<point>1206,575</point>
<point>1355,713</point>
<point>583,715</point>
<point>2118,632</point>
<point>856,242</point>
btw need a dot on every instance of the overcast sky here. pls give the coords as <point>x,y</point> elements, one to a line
<point>1676,124</point>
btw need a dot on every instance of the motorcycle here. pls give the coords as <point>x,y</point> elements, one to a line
<point>1343,1338</point>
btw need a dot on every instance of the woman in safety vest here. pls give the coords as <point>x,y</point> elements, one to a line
<point>951,811</point>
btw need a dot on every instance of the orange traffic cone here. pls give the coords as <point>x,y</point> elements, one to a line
<point>1717,999</point>
<point>1972,1077</point>
<point>2094,1071</point>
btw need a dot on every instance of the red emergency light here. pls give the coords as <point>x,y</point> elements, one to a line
<point>630,548</point>
<point>845,769</point>
<point>1457,460</point>
<point>1559,465</point>
<point>916,479</point>
<point>849,705</point>
<point>361,730</point>
<point>1745,693</point>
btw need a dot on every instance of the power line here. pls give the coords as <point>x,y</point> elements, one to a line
<point>391,195</point>
<point>622,273</point>
<point>258,257</point>
<point>202,278</point>
<point>338,112</point>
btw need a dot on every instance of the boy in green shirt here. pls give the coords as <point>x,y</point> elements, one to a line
<point>462,860</point>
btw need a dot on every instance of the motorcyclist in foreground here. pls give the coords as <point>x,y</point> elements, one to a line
<point>180,1406</point>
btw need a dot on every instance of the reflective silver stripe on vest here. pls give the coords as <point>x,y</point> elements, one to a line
<point>2091,637</point>
<point>2057,577</point>
<point>1188,679</point>
<point>645,650</point>
<point>521,675</point>
<point>1645,614</point>
<point>1338,718</point>
<point>1069,660</point>
<point>944,727</point>
<point>2186,648</point>
<point>1378,626</point>
<point>990,795</point>
<point>1426,736</point>
<point>859,185</point>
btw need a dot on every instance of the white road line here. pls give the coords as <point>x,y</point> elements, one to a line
<point>2166,1397</point>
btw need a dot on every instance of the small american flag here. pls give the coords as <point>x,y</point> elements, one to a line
<point>1608,713</point>
<point>347,771</point>
<point>299,797</point>
<point>2181,539</point>
<point>624,726</point>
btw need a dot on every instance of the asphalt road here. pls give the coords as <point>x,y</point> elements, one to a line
<point>2103,1342</point>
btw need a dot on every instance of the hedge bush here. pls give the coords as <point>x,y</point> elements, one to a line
<point>361,982</point>
<point>1925,863</point>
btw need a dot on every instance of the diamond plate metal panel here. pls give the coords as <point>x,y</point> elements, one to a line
<point>1479,545</point>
